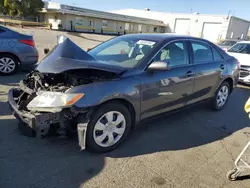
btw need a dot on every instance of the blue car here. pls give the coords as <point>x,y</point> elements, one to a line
<point>17,51</point>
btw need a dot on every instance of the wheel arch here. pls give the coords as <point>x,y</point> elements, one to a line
<point>12,54</point>
<point>127,104</point>
<point>230,81</point>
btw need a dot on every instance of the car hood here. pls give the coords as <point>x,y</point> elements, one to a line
<point>68,56</point>
<point>244,59</point>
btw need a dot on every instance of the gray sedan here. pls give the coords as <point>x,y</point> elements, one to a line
<point>16,51</point>
<point>106,92</point>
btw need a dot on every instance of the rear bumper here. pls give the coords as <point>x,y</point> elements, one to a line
<point>36,121</point>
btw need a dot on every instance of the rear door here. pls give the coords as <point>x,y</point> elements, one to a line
<point>209,69</point>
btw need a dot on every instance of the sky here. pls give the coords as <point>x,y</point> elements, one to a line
<point>241,8</point>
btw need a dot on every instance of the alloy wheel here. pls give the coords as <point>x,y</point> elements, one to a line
<point>109,129</point>
<point>222,96</point>
<point>7,65</point>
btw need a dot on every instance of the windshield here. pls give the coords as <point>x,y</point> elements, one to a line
<point>243,48</point>
<point>123,51</point>
<point>227,43</point>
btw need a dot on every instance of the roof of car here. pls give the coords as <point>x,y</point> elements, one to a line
<point>162,36</point>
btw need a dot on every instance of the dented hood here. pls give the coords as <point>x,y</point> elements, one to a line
<point>68,56</point>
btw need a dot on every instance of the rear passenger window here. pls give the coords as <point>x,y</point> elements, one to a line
<point>217,55</point>
<point>202,52</point>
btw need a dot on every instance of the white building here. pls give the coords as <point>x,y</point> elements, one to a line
<point>73,18</point>
<point>211,27</point>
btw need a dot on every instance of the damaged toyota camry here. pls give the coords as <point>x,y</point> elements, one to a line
<point>103,93</point>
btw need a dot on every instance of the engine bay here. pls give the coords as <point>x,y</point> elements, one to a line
<point>61,82</point>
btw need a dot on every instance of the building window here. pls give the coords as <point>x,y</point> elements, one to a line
<point>90,22</point>
<point>140,28</point>
<point>79,21</point>
<point>126,26</point>
<point>242,36</point>
<point>155,29</point>
<point>132,27</point>
<point>232,35</point>
<point>104,23</point>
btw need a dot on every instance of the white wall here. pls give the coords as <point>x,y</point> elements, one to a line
<point>238,28</point>
<point>53,19</point>
<point>197,21</point>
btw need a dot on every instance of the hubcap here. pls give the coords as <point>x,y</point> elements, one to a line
<point>7,65</point>
<point>222,96</point>
<point>109,129</point>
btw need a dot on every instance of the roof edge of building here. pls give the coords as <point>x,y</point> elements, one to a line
<point>76,10</point>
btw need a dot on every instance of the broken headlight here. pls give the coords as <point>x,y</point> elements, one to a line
<point>53,101</point>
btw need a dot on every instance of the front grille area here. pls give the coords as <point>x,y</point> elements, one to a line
<point>244,73</point>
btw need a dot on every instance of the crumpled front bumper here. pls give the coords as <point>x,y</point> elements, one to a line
<point>40,122</point>
<point>36,121</point>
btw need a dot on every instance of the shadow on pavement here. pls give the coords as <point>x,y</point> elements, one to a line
<point>12,80</point>
<point>34,163</point>
<point>245,177</point>
<point>30,162</point>
<point>189,128</point>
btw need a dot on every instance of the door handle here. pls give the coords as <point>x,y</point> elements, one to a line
<point>222,67</point>
<point>189,74</point>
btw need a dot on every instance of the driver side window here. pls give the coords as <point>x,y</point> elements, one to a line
<point>175,54</point>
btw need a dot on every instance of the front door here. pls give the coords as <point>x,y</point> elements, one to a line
<point>163,91</point>
<point>210,68</point>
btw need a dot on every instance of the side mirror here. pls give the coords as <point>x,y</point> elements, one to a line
<point>158,65</point>
<point>46,51</point>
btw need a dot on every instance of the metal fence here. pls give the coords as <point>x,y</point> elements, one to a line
<point>21,21</point>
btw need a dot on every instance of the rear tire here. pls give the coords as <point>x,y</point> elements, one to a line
<point>221,96</point>
<point>8,64</point>
<point>99,126</point>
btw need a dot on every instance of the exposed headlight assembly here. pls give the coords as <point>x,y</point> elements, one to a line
<point>53,101</point>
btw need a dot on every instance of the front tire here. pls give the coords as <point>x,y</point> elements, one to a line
<point>221,96</point>
<point>8,64</point>
<point>108,127</point>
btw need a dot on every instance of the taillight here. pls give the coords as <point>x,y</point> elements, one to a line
<point>28,42</point>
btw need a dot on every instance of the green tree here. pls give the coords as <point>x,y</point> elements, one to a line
<point>21,7</point>
<point>3,2</point>
<point>3,6</point>
<point>30,7</point>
